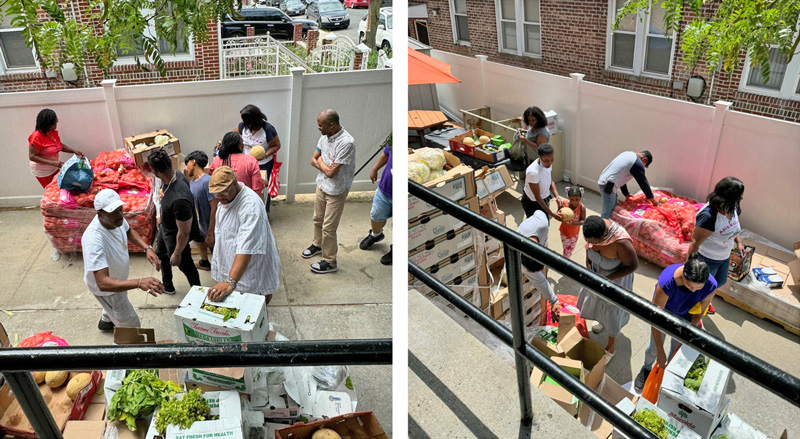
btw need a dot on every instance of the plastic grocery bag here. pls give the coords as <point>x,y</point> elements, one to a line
<point>76,174</point>
<point>274,184</point>
<point>653,384</point>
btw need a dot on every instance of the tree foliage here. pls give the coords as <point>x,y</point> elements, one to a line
<point>65,32</point>
<point>721,29</point>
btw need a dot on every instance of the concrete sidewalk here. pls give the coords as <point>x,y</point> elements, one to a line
<point>356,302</point>
<point>762,338</point>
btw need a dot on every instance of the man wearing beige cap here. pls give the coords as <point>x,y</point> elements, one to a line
<point>245,257</point>
<point>106,262</point>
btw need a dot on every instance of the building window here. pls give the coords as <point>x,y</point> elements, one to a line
<point>642,45</point>
<point>14,53</point>
<point>459,17</point>
<point>784,77</point>
<point>519,27</point>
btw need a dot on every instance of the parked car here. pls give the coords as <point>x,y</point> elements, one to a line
<point>356,3</point>
<point>263,20</point>
<point>329,14</point>
<point>293,7</point>
<point>383,36</point>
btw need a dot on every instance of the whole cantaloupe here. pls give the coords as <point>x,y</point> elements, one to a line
<point>566,213</point>
<point>56,378</point>
<point>39,376</point>
<point>77,384</point>
<point>469,141</point>
<point>325,433</point>
<point>484,140</point>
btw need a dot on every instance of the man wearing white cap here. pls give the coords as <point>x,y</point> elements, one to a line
<point>106,262</point>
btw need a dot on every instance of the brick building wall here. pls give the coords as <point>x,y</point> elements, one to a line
<point>574,36</point>
<point>204,66</point>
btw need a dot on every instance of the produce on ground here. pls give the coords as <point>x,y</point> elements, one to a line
<point>142,392</point>
<point>183,412</point>
<point>696,373</point>
<point>78,383</point>
<point>651,421</point>
<point>660,234</point>
<point>325,433</point>
<point>56,378</point>
<point>226,313</point>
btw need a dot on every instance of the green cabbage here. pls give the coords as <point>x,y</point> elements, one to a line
<point>418,172</point>
<point>651,421</point>
<point>695,375</point>
<point>432,158</point>
<point>439,173</point>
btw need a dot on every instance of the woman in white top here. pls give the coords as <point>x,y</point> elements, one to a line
<point>717,228</point>
<point>256,131</point>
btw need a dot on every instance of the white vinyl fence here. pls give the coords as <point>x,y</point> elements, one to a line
<point>693,145</point>
<point>199,114</point>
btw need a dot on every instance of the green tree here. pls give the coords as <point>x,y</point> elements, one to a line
<point>721,29</point>
<point>75,34</point>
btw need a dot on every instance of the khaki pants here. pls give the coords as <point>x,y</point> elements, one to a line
<point>327,213</point>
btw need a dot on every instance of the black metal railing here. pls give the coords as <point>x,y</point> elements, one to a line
<point>16,364</point>
<point>762,373</point>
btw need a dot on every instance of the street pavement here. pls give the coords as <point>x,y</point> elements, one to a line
<point>39,294</point>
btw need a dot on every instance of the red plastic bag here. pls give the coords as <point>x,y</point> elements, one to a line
<point>569,306</point>
<point>42,339</point>
<point>274,184</point>
<point>653,384</point>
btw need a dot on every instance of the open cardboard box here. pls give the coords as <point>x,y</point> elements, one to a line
<point>457,142</point>
<point>360,425</point>
<point>428,227</point>
<point>609,390</point>
<point>675,430</point>
<point>781,304</point>
<point>699,411</point>
<point>456,184</point>
<point>491,182</point>
<point>226,405</point>
<point>196,324</point>
<point>141,153</point>
<point>570,343</point>
<point>558,394</point>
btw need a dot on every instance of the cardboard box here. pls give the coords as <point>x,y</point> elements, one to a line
<point>242,379</point>
<point>491,182</point>
<point>124,433</point>
<point>496,260</point>
<point>427,227</point>
<point>483,153</point>
<point>447,270</point>
<point>84,429</point>
<point>552,120</point>
<point>361,425</point>
<point>699,411</point>
<point>558,394</point>
<point>456,143</point>
<point>179,162</point>
<point>226,405</point>
<point>141,153</point>
<point>457,184</point>
<point>675,431</point>
<point>444,247</point>
<point>739,265</point>
<point>732,423</point>
<point>609,390</point>
<point>569,343</point>
<point>198,325</point>
<point>134,336</point>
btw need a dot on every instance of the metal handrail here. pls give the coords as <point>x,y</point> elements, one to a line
<point>15,364</point>
<point>762,373</point>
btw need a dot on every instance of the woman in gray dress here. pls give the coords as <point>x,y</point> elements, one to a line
<point>537,133</point>
<point>609,253</point>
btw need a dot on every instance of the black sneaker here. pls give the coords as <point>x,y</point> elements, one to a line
<point>203,264</point>
<point>323,267</point>
<point>387,258</point>
<point>369,240</point>
<point>105,326</point>
<point>311,251</point>
<point>638,385</point>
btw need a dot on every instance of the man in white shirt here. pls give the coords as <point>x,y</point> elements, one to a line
<point>245,256</point>
<point>535,228</point>
<point>618,173</point>
<point>106,262</point>
<point>335,157</point>
<point>539,184</point>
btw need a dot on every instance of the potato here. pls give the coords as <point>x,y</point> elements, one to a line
<point>56,378</point>
<point>77,384</point>
<point>38,377</point>
<point>484,139</point>
<point>325,433</point>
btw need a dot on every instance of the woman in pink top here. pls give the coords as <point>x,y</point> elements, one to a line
<point>245,166</point>
<point>44,146</point>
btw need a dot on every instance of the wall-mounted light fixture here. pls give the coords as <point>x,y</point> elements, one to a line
<point>435,12</point>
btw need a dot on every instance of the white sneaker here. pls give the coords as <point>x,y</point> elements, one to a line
<point>597,328</point>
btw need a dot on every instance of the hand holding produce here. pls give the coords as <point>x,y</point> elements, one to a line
<point>567,213</point>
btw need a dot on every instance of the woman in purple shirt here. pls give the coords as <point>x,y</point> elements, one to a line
<point>679,290</point>
<point>381,203</point>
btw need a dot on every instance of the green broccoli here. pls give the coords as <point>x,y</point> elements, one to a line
<point>651,421</point>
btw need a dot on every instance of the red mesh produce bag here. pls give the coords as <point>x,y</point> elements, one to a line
<point>64,222</point>
<point>660,234</point>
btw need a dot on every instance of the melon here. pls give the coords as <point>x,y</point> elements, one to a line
<point>567,214</point>
<point>56,378</point>
<point>469,141</point>
<point>484,140</point>
<point>77,384</point>
<point>325,433</point>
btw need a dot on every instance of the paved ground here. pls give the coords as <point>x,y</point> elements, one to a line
<point>762,338</point>
<point>42,295</point>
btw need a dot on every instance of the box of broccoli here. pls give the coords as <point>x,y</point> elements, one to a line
<point>653,419</point>
<point>693,391</point>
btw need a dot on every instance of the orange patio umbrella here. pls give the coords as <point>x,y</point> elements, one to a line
<point>422,69</point>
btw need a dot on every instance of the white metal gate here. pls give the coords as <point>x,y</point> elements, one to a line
<point>335,56</point>
<point>257,56</point>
